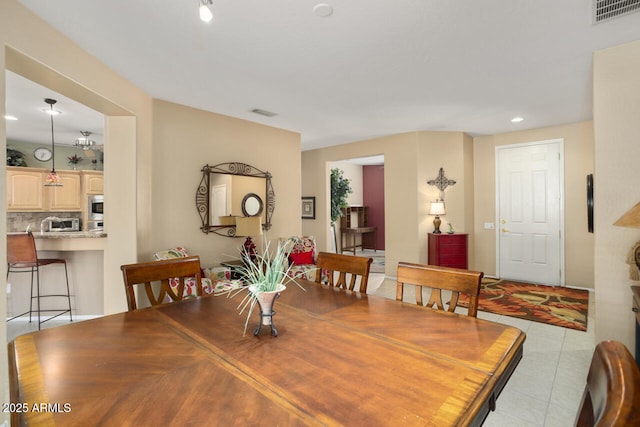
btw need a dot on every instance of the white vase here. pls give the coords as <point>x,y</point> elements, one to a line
<point>266,301</point>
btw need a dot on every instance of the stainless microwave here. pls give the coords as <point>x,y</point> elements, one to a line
<point>95,207</point>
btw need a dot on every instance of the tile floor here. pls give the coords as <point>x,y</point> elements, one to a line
<point>546,387</point>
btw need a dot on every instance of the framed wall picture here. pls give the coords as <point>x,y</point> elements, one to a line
<point>308,207</point>
<point>590,203</point>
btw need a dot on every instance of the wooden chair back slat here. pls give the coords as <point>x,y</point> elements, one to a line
<point>356,266</point>
<point>148,274</point>
<point>438,278</point>
<point>612,394</point>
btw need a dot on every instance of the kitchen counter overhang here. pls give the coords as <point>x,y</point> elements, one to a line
<point>70,241</point>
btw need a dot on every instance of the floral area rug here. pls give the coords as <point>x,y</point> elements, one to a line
<point>553,305</point>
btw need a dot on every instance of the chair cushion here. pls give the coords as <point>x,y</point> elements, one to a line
<point>303,271</point>
<point>177,252</point>
<point>303,244</point>
<point>217,273</point>
<point>301,258</point>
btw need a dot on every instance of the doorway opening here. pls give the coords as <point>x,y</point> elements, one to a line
<point>365,212</point>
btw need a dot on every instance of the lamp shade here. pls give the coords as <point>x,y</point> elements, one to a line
<point>631,218</point>
<point>437,208</point>
<point>248,226</point>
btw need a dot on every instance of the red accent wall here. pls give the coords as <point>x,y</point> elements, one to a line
<point>373,198</point>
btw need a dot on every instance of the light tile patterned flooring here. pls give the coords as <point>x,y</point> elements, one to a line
<point>546,387</point>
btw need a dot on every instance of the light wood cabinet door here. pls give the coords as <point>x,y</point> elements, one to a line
<point>66,198</point>
<point>25,190</point>
<point>93,183</point>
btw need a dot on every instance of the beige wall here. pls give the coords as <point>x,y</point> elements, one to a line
<point>410,160</point>
<point>578,162</point>
<point>54,64</point>
<point>353,173</point>
<point>616,178</point>
<point>185,139</point>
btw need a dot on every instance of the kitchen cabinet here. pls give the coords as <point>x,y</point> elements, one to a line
<point>92,182</point>
<point>448,250</point>
<point>25,189</point>
<point>68,197</point>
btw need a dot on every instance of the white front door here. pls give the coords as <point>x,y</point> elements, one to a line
<point>530,205</point>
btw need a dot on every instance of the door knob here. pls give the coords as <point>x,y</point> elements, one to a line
<point>503,221</point>
<point>504,230</point>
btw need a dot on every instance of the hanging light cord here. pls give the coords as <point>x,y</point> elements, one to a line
<point>53,144</point>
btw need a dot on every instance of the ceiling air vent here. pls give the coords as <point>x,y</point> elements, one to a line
<point>264,112</point>
<point>603,10</point>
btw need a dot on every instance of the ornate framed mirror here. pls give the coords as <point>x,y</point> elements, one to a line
<point>229,190</point>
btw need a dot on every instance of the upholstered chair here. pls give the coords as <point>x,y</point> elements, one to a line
<point>302,256</point>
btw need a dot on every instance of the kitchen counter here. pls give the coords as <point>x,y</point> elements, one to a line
<point>70,241</point>
<point>69,234</point>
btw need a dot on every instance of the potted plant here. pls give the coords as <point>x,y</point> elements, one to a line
<point>74,160</point>
<point>340,189</point>
<point>265,274</point>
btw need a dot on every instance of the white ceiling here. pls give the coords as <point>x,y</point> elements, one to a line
<point>373,68</point>
<point>25,101</point>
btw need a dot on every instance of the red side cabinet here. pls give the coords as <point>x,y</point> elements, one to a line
<point>448,250</point>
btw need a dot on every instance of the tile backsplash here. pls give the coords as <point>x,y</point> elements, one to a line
<point>18,221</point>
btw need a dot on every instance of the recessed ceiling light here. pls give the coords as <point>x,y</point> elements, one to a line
<point>323,10</point>
<point>517,120</point>
<point>8,117</point>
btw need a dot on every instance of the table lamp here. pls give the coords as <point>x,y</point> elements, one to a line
<point>247,226</point>
<point>437,208</point>
<point>631,218</point>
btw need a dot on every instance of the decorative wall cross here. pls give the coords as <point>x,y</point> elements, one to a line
<point>441,182</point>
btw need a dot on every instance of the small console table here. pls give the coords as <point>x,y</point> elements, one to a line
<point>350,231</point>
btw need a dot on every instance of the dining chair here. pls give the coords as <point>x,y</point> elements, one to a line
<point>190,286</point>
<point>22,257</point>
<point>438,278</point>
<point>356,266</point>
<point>612,394</point>
<point>148,274</point>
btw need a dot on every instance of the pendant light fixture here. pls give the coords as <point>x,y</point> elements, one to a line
<point>84,141</point>
<point>205,12</point>
<point>52,179</point>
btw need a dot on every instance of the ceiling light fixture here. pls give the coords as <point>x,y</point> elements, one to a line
<point>84,141</point>
<point>205,12</point>
<point>323,10</point>
<point>517,120</point>
<point>52,179</point>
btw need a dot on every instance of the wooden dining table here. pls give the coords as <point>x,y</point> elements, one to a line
<point>340,358</point>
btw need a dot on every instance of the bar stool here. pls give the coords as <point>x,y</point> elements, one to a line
<point>22,257</point>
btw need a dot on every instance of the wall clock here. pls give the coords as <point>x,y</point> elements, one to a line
<point>43,154</point>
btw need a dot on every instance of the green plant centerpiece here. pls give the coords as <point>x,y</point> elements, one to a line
<point>340,189</point>
<point>266,275</point>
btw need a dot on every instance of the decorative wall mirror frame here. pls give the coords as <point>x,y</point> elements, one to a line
<point>252,204</point>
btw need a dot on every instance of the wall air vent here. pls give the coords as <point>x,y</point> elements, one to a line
<point>604,10</point>
<point>264,112</point>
